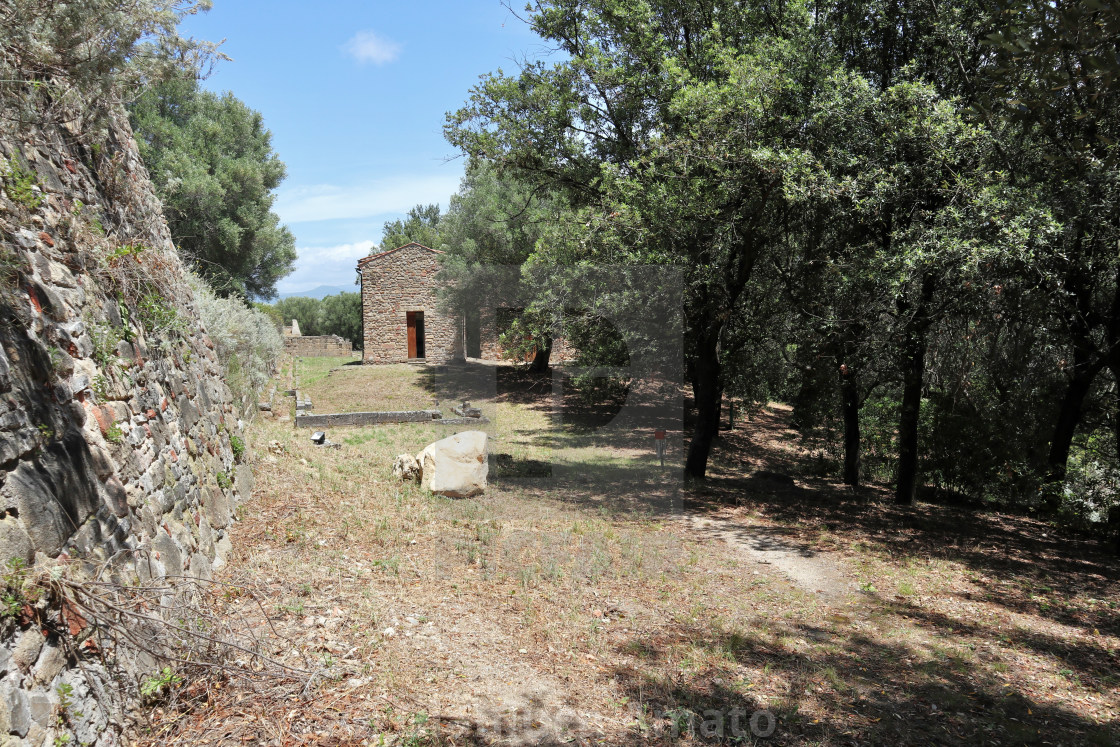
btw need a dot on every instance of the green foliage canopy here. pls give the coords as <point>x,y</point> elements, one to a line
<point>211,160</point>
<point>675,130</point>
<point>903,214</point>
<point>489,232</point>
<point>421,225</point>
<point>92,55</point>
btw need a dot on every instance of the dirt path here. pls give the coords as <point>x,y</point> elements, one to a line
<point>813,571</point>
<point>487,686</point>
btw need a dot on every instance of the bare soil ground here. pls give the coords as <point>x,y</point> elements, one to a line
<point>589,598</point>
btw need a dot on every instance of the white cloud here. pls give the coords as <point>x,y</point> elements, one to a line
<point>366,46</point>
<point>342,252</point>
<point>325,265</point>
<point>336,202</point>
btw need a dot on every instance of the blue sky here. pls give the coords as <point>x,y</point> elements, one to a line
<point>355,95</point>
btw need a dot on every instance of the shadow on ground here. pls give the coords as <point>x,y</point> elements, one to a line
<point>853,690</point>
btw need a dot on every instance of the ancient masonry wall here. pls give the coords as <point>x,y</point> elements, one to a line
<point>115,429</point>
<point>493,322</point>
<point>394,283</point>
<point>488,332</point>
<point>318,346</point>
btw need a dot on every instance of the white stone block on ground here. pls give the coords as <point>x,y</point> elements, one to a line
<point>456,466</point>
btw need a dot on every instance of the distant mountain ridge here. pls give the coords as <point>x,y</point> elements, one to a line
<point>321,292</point>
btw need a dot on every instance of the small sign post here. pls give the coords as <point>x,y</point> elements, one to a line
<point>659,443</point>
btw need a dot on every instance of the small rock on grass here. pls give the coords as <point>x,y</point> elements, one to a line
<point>405,467</point>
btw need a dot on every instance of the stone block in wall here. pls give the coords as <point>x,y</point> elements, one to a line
<point>51,662</point>
<point>5,711</point>
<point>201,567</point>
<point>54,493</point>
<point>150,568</point>
<point>87,712</point>
<point>27,648</point>
<point>216,505</point>
<point>14,445</point>
<point>42,709</point>
<point>243,481</point>
<point>14,541</point>
<point>206,538</point>
<point>168,553</point>
<point>16,707</point>
<point>224,548</point>
<point>181,531</point>
<point>116,498</point>
<point>101,462</point>
<point>100,536</point>
<point>188,414</point>
<point>5,372</point>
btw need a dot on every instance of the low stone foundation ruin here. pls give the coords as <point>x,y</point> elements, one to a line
<point>318,346</point>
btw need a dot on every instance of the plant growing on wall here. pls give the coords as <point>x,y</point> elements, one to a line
<point>19,183</point>
<point>99,52</point>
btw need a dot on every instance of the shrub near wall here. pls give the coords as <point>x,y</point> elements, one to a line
<point>245,339</point>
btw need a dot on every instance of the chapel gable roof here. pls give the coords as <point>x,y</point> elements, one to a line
<point>410,245</point>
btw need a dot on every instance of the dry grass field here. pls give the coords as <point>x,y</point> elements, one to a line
<point>589,598</point>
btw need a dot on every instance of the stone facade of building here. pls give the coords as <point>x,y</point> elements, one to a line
<point>400,285</point>
<point>401,319</point>
<point>492,323</point>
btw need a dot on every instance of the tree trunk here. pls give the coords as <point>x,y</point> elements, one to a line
<point>1113,526</point>
<point>908,421</point>
<point>913,378</point>
<point>541,356</point>
<point>849,397</point>
<point>1113,332</point>
<point>719,410</point>
<point>706,389</point>
<point>1116,411</point>
<point>1087,363</point>
<point>1085,372</point>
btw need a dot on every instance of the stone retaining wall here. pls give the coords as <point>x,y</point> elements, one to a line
<point>117,432</point>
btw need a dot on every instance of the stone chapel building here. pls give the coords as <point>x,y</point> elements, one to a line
<point>402,320</point>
